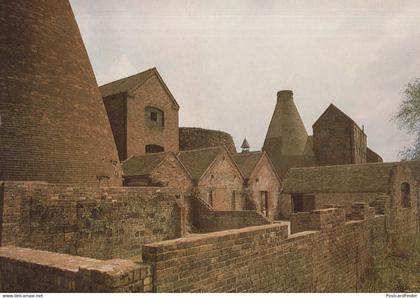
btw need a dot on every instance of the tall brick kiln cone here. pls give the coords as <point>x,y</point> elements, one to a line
<point>54,125</point>
<point>286,134</point>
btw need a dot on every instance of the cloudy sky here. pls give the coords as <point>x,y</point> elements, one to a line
<point>224,61</point>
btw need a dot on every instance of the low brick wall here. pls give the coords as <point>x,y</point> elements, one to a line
<point>102,223</point>
<point>206,219</point>
<point>266,259</point>
<point>28,270</point>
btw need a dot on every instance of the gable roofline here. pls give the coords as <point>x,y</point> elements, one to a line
<point>332,106</point>
<point>182,166</point>
<point>165,155</point>
<point>217,148</point>
<point>147,75</point>
<point>223,148</point>
<point>271,165</point>
<point>260,160</point>
<point>238,157</point>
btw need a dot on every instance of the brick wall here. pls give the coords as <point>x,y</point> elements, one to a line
<point>116,109</point>
<point>140,132</point>
<point>336,138</point>
<point>264,179</point>
<point>28,270</point>
<point>265,259</point>
<point>195,138</point>
<point>205,219</point>
<point>54,125</point>
<point>226,183</point>
<point>100,223</point>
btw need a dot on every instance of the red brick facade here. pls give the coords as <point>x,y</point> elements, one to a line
<point>143,116</point>
<point>222,183</point>
<point>265,187</point>
<point>53,122</point>
<point>337,139</point>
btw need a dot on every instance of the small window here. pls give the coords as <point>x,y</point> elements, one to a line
<point>405,195</point>
<point>210,197</point>
<point>153,148</point>
<point>154,116</point>
<point>233,202</point>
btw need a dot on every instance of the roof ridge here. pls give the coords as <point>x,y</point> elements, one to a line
<point>203,149</point>
<point>392,163</point>
<point>129,77</point>
<point>248,153</point>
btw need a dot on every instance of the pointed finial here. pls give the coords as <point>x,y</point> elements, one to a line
<point>245,146</point>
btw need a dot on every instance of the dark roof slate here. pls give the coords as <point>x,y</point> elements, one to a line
<point>142,165</point>
<point>125,84</point>
<point>132,82</point>
<point>372,177</point>
<point>247,162</point>
<point>198,161</point>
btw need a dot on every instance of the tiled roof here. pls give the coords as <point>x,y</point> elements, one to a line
<point>142,165</point>
<point>198,161</point>
<point>372,177</point>
<point>125,84</point>
<point>133,82</point>
<point>247,162</point>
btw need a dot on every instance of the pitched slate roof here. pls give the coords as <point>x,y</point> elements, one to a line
<point>143,165</point>
<point>372,177</point>
<point>198,161</point>
<point>247,162</point>
<point>132,82</point>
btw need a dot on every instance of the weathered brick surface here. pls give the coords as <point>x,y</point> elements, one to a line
<point>28,270</point>
<point>139,132</point>
<point>205,219</point>
<point>223,178</point>
<point>265,259</point>
<point>317,219</point>
<point>195,138</point>
<point>130,120</point>
<point>116,108</point>
<point>337,139</point>
<point>54,125</point>
<point>264,179</point>
<point>100,223</point>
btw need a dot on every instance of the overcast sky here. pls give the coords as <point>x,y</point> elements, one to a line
<point>224,61</point>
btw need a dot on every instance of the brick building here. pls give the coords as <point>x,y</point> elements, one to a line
<point>216,177</point>
<point>261,180</point>
<point>156,169</point>
<point>336,139</point>
<point>143,114</point>
<point>287,143</point>
<point>307,189</point>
